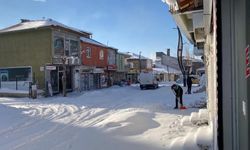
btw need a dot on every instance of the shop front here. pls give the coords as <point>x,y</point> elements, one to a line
<point>53,78</point>
<point>91,78</point>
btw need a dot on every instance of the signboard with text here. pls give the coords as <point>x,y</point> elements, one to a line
<point>50,67</point>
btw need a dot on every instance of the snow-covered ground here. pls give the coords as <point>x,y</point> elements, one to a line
<point>116,118</point>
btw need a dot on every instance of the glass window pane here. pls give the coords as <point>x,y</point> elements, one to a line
<point>74,46</point>
<point>58,45</point>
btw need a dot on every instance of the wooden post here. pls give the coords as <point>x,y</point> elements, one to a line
<point>64,77</point>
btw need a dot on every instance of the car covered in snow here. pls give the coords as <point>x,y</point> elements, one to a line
<point>148,80</point>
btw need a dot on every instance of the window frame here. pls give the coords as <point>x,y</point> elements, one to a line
<point>88,52</point>
<point>101,54</point>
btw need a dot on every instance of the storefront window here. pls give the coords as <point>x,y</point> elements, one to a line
<point>11,74</point>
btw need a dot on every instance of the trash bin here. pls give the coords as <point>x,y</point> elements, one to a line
<point>34,91</point>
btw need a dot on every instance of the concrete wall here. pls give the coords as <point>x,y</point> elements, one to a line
<point>27,48</point>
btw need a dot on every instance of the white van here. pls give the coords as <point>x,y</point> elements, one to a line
<point>147,80</point>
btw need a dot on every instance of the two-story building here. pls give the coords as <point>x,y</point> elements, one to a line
<point>136,65</point>
<point>94,63</point>
<point>38,51</point>
<point>111,67</point>
<point>122,67</point>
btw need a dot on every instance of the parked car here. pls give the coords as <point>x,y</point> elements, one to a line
<point>147,80</point>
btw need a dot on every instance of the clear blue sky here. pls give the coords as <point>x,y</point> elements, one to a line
<point>129,25</point>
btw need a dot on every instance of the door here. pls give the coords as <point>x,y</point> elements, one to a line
<point>54,80</point>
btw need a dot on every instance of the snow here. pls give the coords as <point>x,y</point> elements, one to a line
<point>7,90</point>
<point>165,69</point>
<point>91,41</point>
<point>135,56</point>
<point>116,118</point>
<point>34,24</point>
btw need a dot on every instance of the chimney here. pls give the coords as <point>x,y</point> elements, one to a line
<point>168,52</point>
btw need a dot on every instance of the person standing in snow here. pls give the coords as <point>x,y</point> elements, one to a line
<point>189,83</point>
<point>178,92</point>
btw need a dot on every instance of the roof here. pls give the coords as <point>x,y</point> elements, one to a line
<point>92,41</point>
<point>34,24</point>
<point>170,61</point>
<point>166,69</point>
<point>135,56</point>
<point>125,54</point>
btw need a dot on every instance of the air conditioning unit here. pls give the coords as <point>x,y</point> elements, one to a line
<point>70,60</point>
<point>76,61</point>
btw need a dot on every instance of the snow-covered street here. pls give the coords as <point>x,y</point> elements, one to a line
<point>116,118</point>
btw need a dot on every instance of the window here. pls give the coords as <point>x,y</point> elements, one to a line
<point>74,47</point>
<point>58,45</point>
<point>20,73</point>
<point>101,55</point>
<point>88,52</point>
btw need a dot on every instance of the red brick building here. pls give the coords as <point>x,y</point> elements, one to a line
<point>94,62</point>
<point>94,54</point>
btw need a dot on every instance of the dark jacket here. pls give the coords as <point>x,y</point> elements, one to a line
<point>189,80</point>
<point>178,91</point>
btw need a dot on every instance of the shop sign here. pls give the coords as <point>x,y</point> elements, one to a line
<point>97,70</point>
<point>111,67</point>
<point>50,67</point>
<point>42,68</point>
<point>247,63</point>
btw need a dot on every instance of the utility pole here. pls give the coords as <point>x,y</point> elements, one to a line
<point>140,61</point>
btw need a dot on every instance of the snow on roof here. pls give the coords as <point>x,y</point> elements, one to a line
<point>34,24</point>
<point>92,41</point>
<point>165,69</point>
<point>135,56</point>
<point>170,61</point>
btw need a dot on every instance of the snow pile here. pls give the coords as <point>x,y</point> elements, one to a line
<point>204,137</point>
<point>203,84</point>
<point>196,118</point>
<point>200,139</point>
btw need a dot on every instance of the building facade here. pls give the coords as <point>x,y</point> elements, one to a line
<point>137,64</point>
<point>47,48</point>
<point>122,67</point>
<point>111,67</point>
<point>94,63</point>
